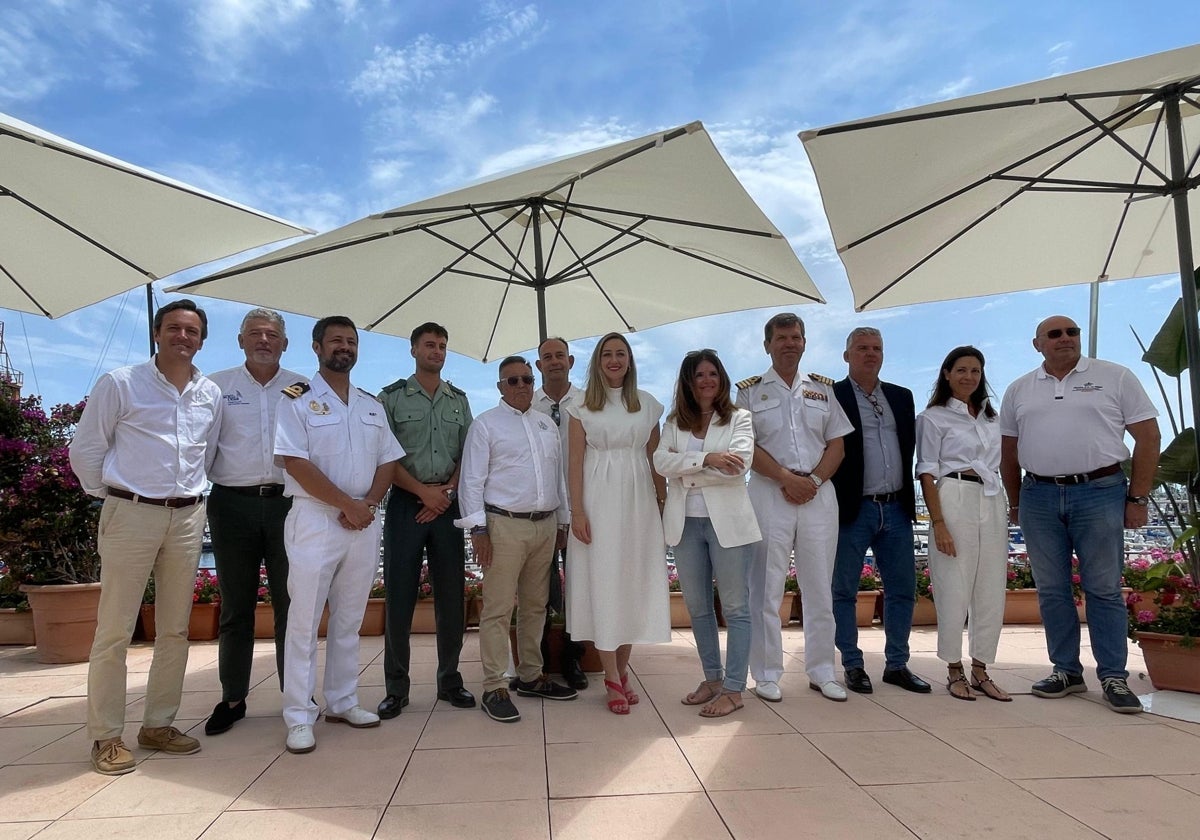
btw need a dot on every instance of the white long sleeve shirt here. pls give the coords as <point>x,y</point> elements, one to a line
<point>950,440</point>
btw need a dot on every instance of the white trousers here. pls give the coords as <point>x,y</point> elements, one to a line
<point>971,584</point>
<point>811,531</point>
<point>326,562</point>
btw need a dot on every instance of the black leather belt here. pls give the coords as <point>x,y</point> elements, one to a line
<point>883,498</point>
<point>532,516</point>
<point>1076,478</point>
<point>261,490</point>
<point>800,473</point>
<point>176,502</point>
<point>962,476</point>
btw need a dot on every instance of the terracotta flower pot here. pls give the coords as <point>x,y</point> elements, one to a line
<point>924,612</point>
<point>1021,607</point>
<point>264,621</point>
<point>423,619</point>
<point>372,623</point>
<point>146,621</point>
<point>16,627</point>
<point>864,608</point>
<point>786,608</point>
<point>1172,667</point>
<point>680,617</point>
<point>64,620</point>
<point>204,624</point>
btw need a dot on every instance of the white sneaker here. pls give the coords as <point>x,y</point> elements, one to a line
<point>356,716</point>
<point>768,691</point>
<point>830,690</point>
<point>300,739</point>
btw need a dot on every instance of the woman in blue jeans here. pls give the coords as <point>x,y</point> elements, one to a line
<point>704,452</point>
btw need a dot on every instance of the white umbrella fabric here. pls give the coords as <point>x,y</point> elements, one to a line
<point>78,226</point>
<point>627,237</point>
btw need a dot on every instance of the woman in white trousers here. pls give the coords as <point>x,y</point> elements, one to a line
<point>958,456</point>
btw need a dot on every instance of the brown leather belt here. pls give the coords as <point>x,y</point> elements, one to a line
<point>532,516</point>
<point>176,502</point>
<point>1076,478</point>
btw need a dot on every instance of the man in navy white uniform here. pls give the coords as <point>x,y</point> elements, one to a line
<point>338,451</point>
<point>1064,424</point>
<point>798,430</point>
<point>513,497</point>
<point>247,508</point>
<point>144,444</point>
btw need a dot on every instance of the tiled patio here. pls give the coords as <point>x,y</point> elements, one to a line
<point>891,765</point>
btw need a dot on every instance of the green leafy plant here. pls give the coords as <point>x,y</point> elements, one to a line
<point>868,579</point>
<point>924,582</point>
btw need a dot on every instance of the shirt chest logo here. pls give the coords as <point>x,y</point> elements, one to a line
<point>321,408</point>
<point>1087,388</point>
<point>235,398</point>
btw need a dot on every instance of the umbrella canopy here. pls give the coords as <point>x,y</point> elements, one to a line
<point>627,237</point>
<point>78,226</point>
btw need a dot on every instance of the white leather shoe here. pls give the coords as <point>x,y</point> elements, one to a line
<point>356,716</point>
<point>768,691</point>
<point>300,739</point>
<point>830,690</point>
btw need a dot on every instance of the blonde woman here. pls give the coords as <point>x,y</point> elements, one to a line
<point>706,448</point>
<point>617,585</point>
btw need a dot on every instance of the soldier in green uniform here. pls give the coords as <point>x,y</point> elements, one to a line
<point>429,417</point>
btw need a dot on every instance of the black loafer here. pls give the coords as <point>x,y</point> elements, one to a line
<point>906,679</point>
<point>390,706</point>
<point>573,675</point>
<point>459,697</point>
<point>858,681</point>
<point>223,717</point>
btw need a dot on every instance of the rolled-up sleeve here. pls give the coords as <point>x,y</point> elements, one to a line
<point>929,447</point>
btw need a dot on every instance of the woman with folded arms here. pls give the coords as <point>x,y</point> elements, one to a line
<point>958,455</point>
<point>706,447</point>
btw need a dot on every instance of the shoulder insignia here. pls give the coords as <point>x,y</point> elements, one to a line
<point>395,386</point>
<point>455,388</point>
<point>297,389</point>
<point>824,380</point>
<point>746,383</point>
<point>366,394</point>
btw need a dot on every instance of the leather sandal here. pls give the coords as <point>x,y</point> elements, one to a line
<point>630,696</point>
<point>981,682</point>
<point>617,705</point>
<point>719,707</point>
<point>957,686</point>
<point>706,692</point>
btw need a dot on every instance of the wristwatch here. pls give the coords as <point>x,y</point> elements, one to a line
<point>1138,500</point>
<point>451,493</point>
<point>816,479</point>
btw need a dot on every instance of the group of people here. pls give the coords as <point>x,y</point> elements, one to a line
<point>587,478</point>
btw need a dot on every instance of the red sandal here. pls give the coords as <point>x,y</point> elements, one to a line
<point>629,694</point>
<point>617,705</point>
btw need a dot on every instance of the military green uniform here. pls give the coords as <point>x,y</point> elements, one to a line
<point>432,432</point>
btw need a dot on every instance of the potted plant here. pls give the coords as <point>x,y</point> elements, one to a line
<point>373,616</point>
<point>789,608</point>
<point>16,621</point>
<point>924,612</point>
<point>48,526</point>
<point>473,598</point>
<point>205,621</point>
<point>264,611</point>
<point>680,617</point>
<point>868,582</point>
<point>423,614</point>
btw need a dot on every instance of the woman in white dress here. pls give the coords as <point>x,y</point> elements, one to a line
<point>617,586</point>
<point>958,455</point>
<point>706,448</point>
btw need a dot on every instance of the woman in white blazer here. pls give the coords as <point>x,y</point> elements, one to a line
<point>704,452</point>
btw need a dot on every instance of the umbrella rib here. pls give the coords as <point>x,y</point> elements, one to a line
<point>1035,183</point>
<point>24,291</point>
<point>647,217</point>
<point>471,251</point>
<point>1112,135</point>
<point>558,229</point>
<point>659,140</point>
<point>487,206</point>
<point>1127,205</point>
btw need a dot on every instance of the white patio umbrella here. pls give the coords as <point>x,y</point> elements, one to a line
<point>627,237</point>
<point>1081,178</point>
<point>78,226</point>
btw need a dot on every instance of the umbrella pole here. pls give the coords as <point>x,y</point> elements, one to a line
<point>539,268</point>
<point>1093,318</point>
<point>150,314</point>
<point>1183,238</point>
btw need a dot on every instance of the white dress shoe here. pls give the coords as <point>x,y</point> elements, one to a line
<point>300,739</point>
<point>768,691</point>
<point>356,716</point>
<point>830,690</point>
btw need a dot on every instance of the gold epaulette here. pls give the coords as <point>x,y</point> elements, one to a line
<point>297,389</point>
<point>748,381</point>
<point>824,380</point>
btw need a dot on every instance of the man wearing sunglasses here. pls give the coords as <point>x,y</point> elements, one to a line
<point>513,498</point>
<point>1064,424</point>
<point>877,507</point>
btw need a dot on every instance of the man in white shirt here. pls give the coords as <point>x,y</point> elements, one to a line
<point>1064,424</point>
<point>512,495</point>
<point>144,444</point>
<point>339,454</point>
<point>554,363</point>
<point>247,508</point>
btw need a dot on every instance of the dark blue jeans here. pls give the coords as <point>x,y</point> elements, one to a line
<point>1088,520</point>
<point>886,529</point>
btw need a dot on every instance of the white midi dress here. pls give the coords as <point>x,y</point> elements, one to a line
<point>617,585</point>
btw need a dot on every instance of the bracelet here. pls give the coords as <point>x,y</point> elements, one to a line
<point>479,530</point>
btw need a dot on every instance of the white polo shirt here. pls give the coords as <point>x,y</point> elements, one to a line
<point>795,424</point>
<point>1077,424</point>
<point>246,440</point>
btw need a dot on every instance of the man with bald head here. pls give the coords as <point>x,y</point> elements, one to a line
<point>1064,424</point>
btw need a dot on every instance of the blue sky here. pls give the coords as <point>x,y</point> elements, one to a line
<point>322,112</point>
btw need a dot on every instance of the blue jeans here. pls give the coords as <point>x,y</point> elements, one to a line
<point>1088,519</point>
<point>698,557</point>
<point>885,528</point>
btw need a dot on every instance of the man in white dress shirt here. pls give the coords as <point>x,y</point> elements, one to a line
<point>554,363</point>
<point>798,430</point>
<point>144,444</point>
<point>512,496</point>
<point>338,452</point>
<point>247,508</point>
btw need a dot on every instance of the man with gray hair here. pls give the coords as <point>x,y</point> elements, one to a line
<point>877,507</point>
<point>247,508</point>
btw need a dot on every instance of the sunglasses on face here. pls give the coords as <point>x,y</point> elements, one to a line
<point>1057,332</point>
<point>513,381</point>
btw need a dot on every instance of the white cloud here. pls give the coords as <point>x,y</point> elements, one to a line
<point>227,32</point>
<point>1060,57</point>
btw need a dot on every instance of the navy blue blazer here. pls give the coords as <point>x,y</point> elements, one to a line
<point>848,480</point>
